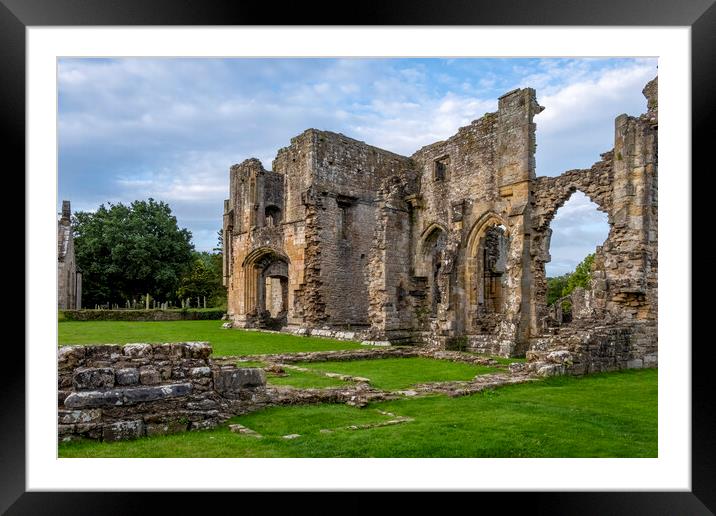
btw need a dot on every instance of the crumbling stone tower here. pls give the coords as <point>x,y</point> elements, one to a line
<point>446,246</point>
<point>69,280</point>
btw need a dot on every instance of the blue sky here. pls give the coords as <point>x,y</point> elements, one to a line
<point>170,128</point>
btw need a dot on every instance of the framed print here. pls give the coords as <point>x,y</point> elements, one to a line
<point>40,37</point>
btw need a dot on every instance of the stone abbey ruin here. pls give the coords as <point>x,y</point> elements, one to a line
<point>447,247</point>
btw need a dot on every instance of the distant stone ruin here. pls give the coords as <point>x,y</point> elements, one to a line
<point>69,279</point>
<point>447,248</point>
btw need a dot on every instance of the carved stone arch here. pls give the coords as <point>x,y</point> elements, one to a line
<point>480,317</point>
<point>429,264</point>
<point>486,220</point>
<point>422,265</point>
<point>551,193</point>
<point>261,252</point>
<point>265,279</point>
<point>428,231</point>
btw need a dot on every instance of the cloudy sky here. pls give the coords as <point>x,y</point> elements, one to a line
<point>171,128</point>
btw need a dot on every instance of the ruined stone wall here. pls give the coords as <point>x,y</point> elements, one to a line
<point>624,185</point>
<point>550,194</point>
<point>69,282</point>
<point>407,248</point>
<point>347,177</point>
<point>481,176</point>
<point>113,392</point>
<point>394,296</point>
<point>614,322</point>
<point>256,193</point>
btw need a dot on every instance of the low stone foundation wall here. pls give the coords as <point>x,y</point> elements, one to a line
<point>113,392</point>
<point>584,350</point>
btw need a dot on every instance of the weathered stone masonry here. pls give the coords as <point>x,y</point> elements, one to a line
<point>114,392</point>
<point>69,279</point>
<point>447,245</point>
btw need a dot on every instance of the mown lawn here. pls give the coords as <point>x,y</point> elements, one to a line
<point>401,373</point>
<point>223,341</point>
<point>606,415</point>
<point>304,380</point>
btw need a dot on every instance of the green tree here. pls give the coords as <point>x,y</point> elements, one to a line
<point>204,280</point>
<point>582,275</point>
<point>126,252</point>
<point>563,285</point>
<point>205,277</point>
<point>555,287</point>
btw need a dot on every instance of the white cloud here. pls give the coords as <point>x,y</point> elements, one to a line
<point>577,229</point>
<point>171,128</point>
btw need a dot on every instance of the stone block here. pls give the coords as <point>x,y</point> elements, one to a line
<point>141,394</point>
<point>71,417</point>
<point>123,430</point>
<point>170,351</point>
<point>149,376</point>
<point>197,350</point>
<point>127,396</point>
<point>170,427</point>
<point>91,430</point>
<point>636,363</point>
<point>233,380</point>
<point>69,357</point>
<point>203,425</point>
<point>86,378</point>
<point>104,352</point>
<point>127,376</point>
<point>199,372</point>
<point>651,360</point>
<point>89,399</point>
<point>138,351</point>
<point>559,357</point>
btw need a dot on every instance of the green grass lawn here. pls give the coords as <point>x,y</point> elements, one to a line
<point>606,415</point>
<point>401,373</point>
<point>305,380</point>
<point>224,342</point>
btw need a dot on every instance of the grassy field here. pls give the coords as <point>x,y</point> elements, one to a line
<point>401,373</point>
<point>305,380</point>
<point>224,342</point>
<point>606,415</point>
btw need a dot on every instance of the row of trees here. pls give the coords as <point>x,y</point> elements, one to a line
<point>127,252</point>
<point>563,285</point>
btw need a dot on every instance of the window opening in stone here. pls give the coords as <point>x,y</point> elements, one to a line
<point>273,215</point>
<point>345,212</point>
<point>441,166</point>
<point>493,246</point>
<point>434,248</point>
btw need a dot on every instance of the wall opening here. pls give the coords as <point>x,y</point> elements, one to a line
<point>266,288</point>
<point>489,284</point>
<point>578,229</point>
<point>272,215</point>
<point>433,249</point>
<point>441,169</point>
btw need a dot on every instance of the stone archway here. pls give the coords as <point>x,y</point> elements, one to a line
<point>429,265</point>
<point>266,287</point>
<point>485,277</point>
<point>550,194</point>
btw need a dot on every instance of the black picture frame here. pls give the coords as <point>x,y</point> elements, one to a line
<point>699,15</point>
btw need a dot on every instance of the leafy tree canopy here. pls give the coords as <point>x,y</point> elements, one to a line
<point>204,280</point>
<point>126,252</point>
<point>561,286</point>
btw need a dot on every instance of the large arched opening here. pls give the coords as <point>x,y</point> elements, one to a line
<point>429,265</point>
<point>486,274</point>
<point>266,287</point>
<point>576,232</point>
